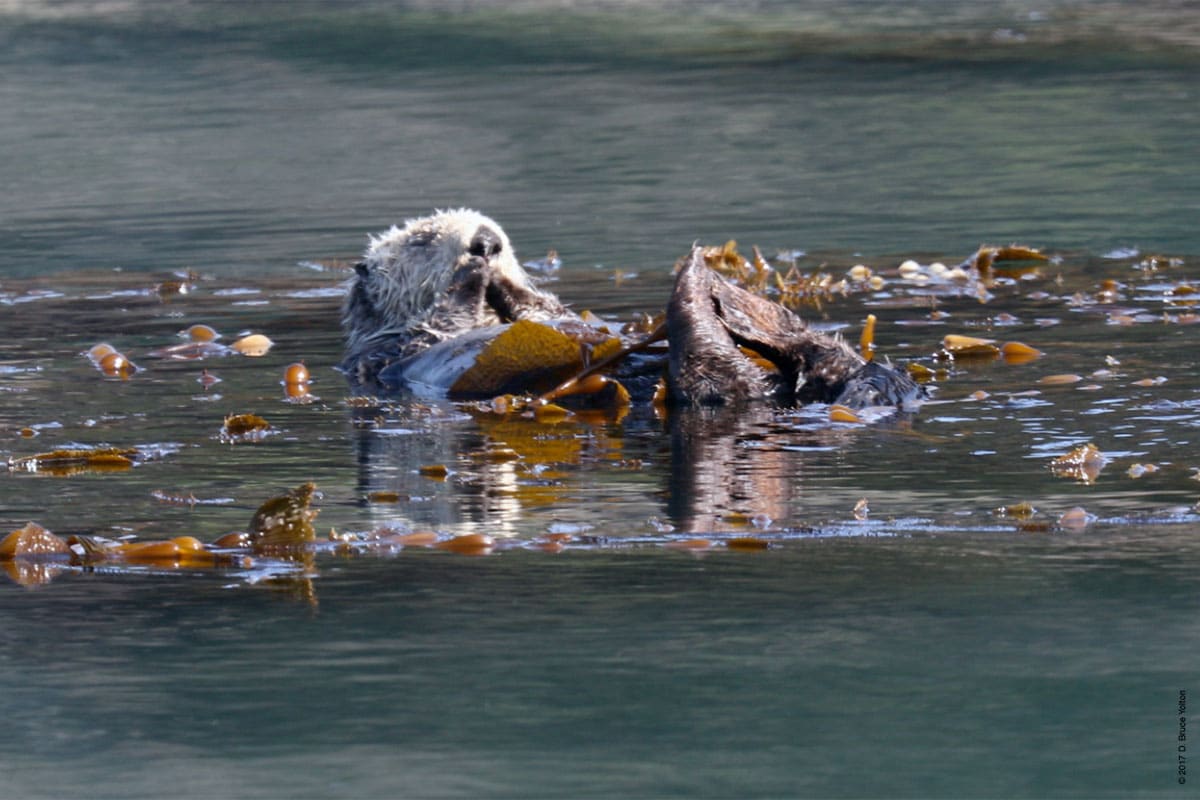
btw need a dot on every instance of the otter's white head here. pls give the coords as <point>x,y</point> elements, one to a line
<point>438,276</point>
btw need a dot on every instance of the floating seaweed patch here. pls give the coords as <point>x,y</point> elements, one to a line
<point>181,283</point>
<point>866,342</point>
<point>32,541</point>
<point>191,351</point>
<point>296,373</point>
<point>1083,463</point>
<point>526,356</point>
<point>959,346</point>
<point>199,333</point>
<point>747,543</point>
<point>76,460</point>
<point>691,543</point>
<point>245,428</point>
<point>296,384</point>
<point>284,523</point>
<point>1060,380</point>
<point>1019,353</point>
<point>111,362</point>
<point>32,555</point>
<point>840,413</point>
<point>923,374</point>
<point>437,472</point>
<point>1138,470</point>
<point>468,544</point>
<point>180,552</point>
<point>253,345</point>
<point>986,258</point>
<point>1075,519</point>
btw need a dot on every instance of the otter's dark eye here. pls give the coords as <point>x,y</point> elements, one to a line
<point>485,243</point>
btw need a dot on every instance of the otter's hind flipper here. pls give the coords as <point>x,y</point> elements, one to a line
<point>704,364</point>
<point>710,321</point>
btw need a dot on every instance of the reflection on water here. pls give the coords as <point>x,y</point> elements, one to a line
<point>896,637</point>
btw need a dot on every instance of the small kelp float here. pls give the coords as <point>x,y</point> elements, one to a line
<point>111,362</point>
<point>296,383</point>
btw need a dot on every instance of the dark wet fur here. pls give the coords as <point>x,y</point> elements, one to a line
<point>709,320</point>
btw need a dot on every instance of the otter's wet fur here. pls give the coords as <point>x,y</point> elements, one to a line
<point>432,280</point>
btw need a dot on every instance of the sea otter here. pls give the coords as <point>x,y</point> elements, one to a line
<point>427,298</point>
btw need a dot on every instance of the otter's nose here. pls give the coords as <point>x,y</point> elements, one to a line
<point>485,243</point>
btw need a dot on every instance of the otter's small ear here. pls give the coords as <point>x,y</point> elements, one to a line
<point>362,269</point>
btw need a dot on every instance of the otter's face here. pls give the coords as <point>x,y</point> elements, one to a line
<point>442,274</point>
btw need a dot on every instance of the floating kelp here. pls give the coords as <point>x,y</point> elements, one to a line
<point>245,428</point>
<point>838,413</point>
<point>866,342</point>
<point>1083,463</point>
<point>1075,519</point>
<point>200,333</point>
<point>1019,511</point>
<point>191,351</point>
<point>1019,353</point>
<point>296,381</point>
<point>791,288</point>
<point>181,551</point>
<point>986,257</point>
<point>253,345</point>
<point>527,357</point>
<point>1138,470</point>
<point>284,524</point>
<point>32,555</point>
<point>32,541</point>
<point>296,373</point>
<point>1060,380</point>
<point>960,347</point>
<point>180,284</point>
<point>73,461</point>
<point>437,472</point>
<point>747,543</point>
<point>111,362</point>
<point>468,544</point>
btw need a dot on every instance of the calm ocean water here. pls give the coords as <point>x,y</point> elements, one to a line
<point>928,647</point>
